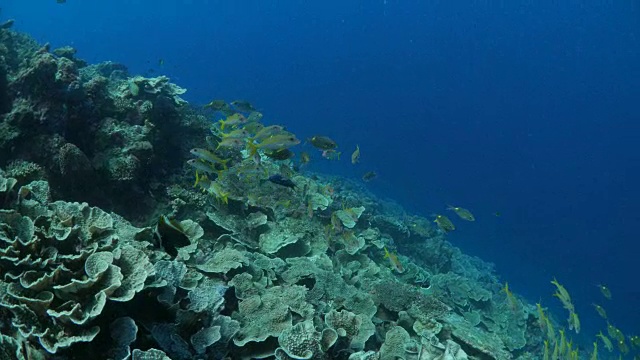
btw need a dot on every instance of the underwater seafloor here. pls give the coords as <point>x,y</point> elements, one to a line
<point>107,250</point>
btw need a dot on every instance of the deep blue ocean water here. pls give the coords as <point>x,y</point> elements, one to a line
<point>526,108</point>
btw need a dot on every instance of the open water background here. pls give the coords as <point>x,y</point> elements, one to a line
<point>527,108</point>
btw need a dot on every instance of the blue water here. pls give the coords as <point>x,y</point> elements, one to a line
<point>530,109</point>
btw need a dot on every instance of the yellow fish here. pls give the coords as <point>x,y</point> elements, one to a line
<point>594,354</point>
<point>546,350</point>
<point>605,291</point>
<point>605,340</point>
<point>600,311</point>
<point>232,120</point>
<point>622,346</point>
<point>369,176</point>
<point>513,303</point>
<point>273,143</point>
<point>463,213</point>
<point>444,223</point>
<point>574,322</point>
<point>355,157</point>
<point>212,187</point>
<point>304,158</point>
<point>615,333</point>
<point>562,294</point>
<point>542,318</point>
<point>393,260</point>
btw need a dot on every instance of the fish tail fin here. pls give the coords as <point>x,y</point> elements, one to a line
<point>222,124</point>
<point>224,197</point>
<point>197,179</point>
<point>386,253</point>
<point>251,148</point>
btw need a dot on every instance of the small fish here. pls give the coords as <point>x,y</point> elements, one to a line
<point>393,261</point>
<point>600,311</point>
<point>551,333</point>
<point>605,291</point>
<point>253,127</point>
<point>216,105</point>
<point>254,116</point>
<point>230,143</point>
<point>304,158</point>
<point>282,181</point>
<point>202,166</point>
<point>281,154</point>
<point>497,214</point>
<point>269,131</point>
<point>323,142</point>
<point>331,154</point>
<point>542,318</point>
<point>594,353</point>
<point>635,341</point>
<point>232,120</point>
<point>546,355</point>
<point>212,141</point>
<point>212,187</point>
<point>170,235</point>
<point>134,89</point>
<point>355,157</point>
<point>161,62</point>
<point>236,134</point>
<point>273,143</point>
<point>369,176</point>
<point>574,322</point>
<point>209,156</point>
<point>444,223</point>
<point>243,106</point>
<point>605,341</point>
<point>622,347</point>
<point>513,302</point>
<point>463,213</point>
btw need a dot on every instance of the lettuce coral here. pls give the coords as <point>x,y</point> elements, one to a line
<point>60,270</point>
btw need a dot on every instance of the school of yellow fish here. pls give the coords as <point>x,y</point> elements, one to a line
<point>241,131</point>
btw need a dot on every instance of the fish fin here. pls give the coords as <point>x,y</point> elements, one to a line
<point>197,179</point>
<point>252,148</point>
<point>222,124</point>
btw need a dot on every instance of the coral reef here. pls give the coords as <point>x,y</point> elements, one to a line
<point>261,270</point>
